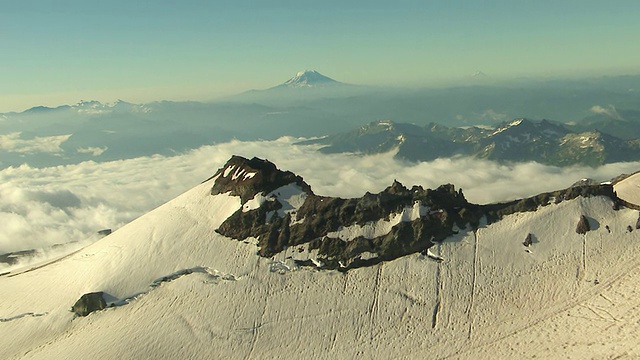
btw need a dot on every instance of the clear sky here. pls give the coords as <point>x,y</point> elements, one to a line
<point>61,51</point>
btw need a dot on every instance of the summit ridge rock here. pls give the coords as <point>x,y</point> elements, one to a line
<point>282,213</point>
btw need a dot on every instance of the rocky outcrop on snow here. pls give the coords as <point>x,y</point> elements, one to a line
<point>281,212</point>
<point>12,258</point>
<point>246,178</point>
<point>583,225</point>
<point>89,303</point>
<point>528,240</point>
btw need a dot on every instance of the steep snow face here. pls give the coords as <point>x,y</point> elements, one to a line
<point>180,290</point>
<point>629,189</point>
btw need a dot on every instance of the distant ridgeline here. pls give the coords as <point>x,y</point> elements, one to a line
<point>520,140</point>
<point>281,211</point>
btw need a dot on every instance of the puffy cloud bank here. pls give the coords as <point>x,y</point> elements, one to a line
<point>12,142</point>
<point>42,207</point>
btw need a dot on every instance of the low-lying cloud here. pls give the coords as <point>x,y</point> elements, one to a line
<point>42,207</point>
<point>609,111</point>
<point>13,142</point>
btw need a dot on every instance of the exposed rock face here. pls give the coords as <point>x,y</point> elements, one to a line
<point>246,178</point>
<point>12,258</point>
<point>638,222</point>
<point>583,225</point>
<point>283,214</point>
<point>89,303</point>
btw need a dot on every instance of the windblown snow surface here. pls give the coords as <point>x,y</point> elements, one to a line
<point>183,291</point>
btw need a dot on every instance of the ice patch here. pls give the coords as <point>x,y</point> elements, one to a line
<point>291,197</point>
<point>254,203</point>
<point>367,255</point>
<point>228,171</point>
<point>238,173</point>
<point>433,256</point>
<point>381,227</point>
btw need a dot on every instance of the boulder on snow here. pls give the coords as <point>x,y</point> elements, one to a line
<point>583,225</point>
<point>528,240</point>
<point>104,232</point>
<point>89,303</point>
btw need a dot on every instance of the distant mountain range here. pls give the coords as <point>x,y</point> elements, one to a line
<point>311,104</point>
<point>518,141</point>
<point>624,124</point>
<point>92,107</point>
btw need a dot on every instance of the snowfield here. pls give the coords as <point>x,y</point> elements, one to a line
<point>184,291</point>
<point>629,189</point>
<point>380,227</point>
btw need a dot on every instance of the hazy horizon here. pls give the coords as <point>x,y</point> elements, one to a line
<point>67,51</point>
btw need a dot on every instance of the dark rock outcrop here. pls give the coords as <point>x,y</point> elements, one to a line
<point>583,225</point>
<point>528,240</point>
<point>334,228</point>
<point>12,258</point>
<point>246,178</point>
<point>89,303</point>
<point>638,222</point>
<point>104,232</point>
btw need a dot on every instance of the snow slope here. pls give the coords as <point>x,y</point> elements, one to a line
<point>184,291</point>
<point>629,189</point>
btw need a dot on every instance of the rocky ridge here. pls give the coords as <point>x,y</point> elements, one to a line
<point>283,214</point>
<point>514,141</point>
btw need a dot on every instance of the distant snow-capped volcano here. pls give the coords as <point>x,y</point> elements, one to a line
<point>310,78</point>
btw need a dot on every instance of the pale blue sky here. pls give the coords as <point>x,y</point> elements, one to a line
<point>54,52</point>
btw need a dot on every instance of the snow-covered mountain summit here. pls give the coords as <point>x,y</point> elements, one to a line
<point>516,282</point>
<point>310,78</point>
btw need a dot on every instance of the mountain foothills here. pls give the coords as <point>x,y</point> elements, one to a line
<point>519,140</point>
<point>252,264</point>
<point>313,105</point>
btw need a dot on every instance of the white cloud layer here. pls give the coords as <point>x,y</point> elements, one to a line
<point>93,150</point>
<point>42,207</point>
<point>45,144</point>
